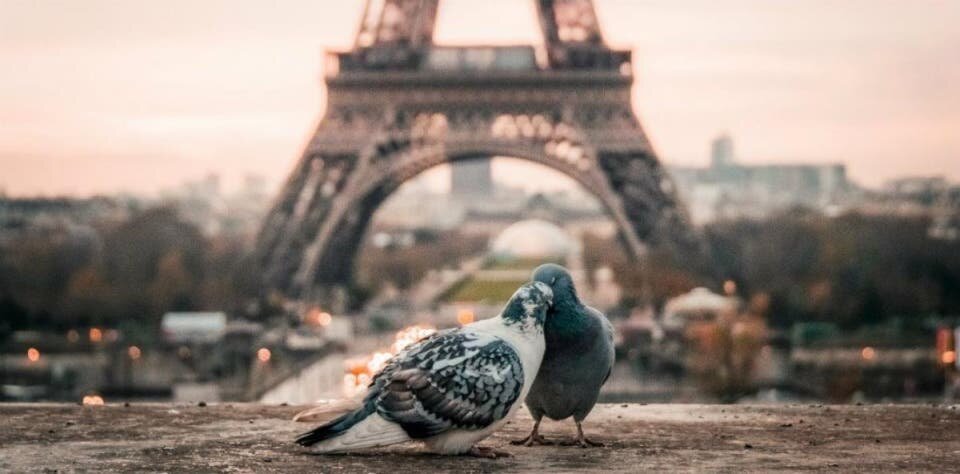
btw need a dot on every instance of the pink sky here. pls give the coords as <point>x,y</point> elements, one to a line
<point>100,96</point>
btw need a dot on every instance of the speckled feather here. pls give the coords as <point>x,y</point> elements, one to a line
<point>454,379</point>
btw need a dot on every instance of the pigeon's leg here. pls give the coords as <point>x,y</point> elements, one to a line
<point>535,438</point>
<point>486,452</point>
<point>583,441</point>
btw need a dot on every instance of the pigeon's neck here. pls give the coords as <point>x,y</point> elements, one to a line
<point>567,319</point>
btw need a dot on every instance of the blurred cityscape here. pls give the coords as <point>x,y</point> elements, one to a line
<point>832,291</point>
<point>746,280</point>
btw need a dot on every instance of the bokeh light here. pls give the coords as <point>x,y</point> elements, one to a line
<point>92,400</point>
<point>465,316</point>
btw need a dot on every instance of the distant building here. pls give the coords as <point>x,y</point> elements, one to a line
<point>728,189</point>
<point>413,207</point>
<point>697,305</point>
<point>532,239</point>
<point>932,196</point>
<point>472,178</point>
<point>193,327</point>
<point>920,189</point>
<point>204,203</point>
<point>78,218</point>
<point>721,151</point>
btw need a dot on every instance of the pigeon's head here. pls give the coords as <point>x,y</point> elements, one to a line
<point>528,306</point>
<point>559,280</point>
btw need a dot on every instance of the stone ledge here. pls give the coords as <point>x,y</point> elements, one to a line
<point>257,438</point>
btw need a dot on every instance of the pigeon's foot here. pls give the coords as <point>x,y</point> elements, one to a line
<point>583,441</point>
<point>532,440</point>
<point>488,453</point>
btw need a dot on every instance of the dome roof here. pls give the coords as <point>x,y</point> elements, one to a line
<point>532,238</point>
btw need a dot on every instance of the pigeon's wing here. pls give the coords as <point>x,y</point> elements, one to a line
<point>456,379</point>
<point>381,378</point>
<point>608,339</point>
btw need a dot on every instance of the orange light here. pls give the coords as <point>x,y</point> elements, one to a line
<point>73,335</point>
<point>356,366</point>
<point>33,354</point>
<point>263,355</point>
<point>316,317</point>
<point>96,335</point>
<point>312,317</point>
<point>948,357</point>
<point>729,287</point>
<point>92,400</point>
<point>465,316</point>
<point>360,371</point>
<point>133,352</point>
<point>868,353</point>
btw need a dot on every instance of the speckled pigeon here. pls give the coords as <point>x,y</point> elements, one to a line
<point>577,362</point>
<point>449,390</point>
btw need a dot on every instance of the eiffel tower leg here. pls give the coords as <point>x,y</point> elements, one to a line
<point>651,206</point>
<point>297,217</point>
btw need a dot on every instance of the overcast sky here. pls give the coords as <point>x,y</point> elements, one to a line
<point>99,96</point>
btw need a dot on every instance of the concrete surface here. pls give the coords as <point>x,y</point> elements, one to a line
<point>257,438</point>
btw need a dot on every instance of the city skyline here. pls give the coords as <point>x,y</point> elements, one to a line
<point>134,97</point>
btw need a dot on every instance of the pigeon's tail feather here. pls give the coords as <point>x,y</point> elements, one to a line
<point>355,430</point>
<point>335,427</point>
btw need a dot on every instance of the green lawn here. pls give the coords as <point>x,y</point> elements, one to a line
<point>519,263</point>
<point>482,291</point>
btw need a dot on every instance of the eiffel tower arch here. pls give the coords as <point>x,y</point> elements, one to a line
<point>398,105</point>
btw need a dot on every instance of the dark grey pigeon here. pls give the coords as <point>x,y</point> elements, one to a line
<point>577,362</point>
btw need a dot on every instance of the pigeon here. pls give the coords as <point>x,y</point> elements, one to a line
<point>577,362</point>
<point>451,389</point>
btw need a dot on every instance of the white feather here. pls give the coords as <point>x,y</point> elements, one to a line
<point>372,432</point>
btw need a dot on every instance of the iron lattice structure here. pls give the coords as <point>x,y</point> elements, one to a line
<point>398,105</point>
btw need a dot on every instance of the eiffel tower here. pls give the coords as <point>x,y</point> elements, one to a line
<point>398,104</point>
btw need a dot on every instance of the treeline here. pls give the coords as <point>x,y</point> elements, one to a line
<point>402,266</point>
<point>127,274</point>
<point>118,275</point>
<point>852,270</point>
